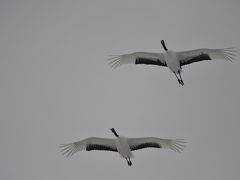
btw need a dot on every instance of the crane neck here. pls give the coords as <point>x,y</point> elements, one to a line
<point>114,132</point>
<point>164,46</point>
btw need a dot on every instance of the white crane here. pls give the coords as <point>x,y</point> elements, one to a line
<point>173,60</point>
<point>124,146</point>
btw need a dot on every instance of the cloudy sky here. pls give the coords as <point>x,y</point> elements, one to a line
<point>57,87</point>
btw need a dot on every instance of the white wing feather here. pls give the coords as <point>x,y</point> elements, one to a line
<point>226,53</point>
<point>173,144</point>
<point>119,60</point>
<point>70,149</point>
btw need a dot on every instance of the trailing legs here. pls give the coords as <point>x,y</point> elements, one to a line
<point>180,81</point>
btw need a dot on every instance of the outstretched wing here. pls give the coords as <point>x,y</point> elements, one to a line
<point>152,142</point>
<point>138,58</point>
<point>89,144</point>
<point>188,57</point>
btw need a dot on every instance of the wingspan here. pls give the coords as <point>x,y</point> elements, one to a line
<point>138,58</point>
<point>88,144</point>
<point>188,57</point>
<point>152,142</point>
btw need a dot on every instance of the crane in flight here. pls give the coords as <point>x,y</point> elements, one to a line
<point>124,146</point>
<point>171,59</point>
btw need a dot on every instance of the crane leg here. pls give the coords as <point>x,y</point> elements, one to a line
<point>182,83</point>
<point>129,161</point>
<point>179,80</point>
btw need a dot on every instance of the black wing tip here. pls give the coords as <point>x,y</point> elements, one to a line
<point>147,61</point>
<point>146,145</point>
<point>91,147</point>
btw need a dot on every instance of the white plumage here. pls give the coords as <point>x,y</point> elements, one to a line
<point>173,60</point>
<point>124,146</point>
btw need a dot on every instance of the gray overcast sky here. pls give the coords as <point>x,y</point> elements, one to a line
<point>57,87</point>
